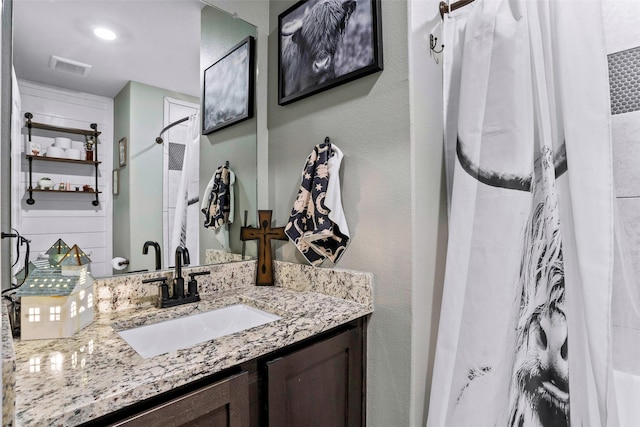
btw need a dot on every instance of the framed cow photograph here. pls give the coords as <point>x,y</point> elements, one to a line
<point>228,88</point>
<point>325,43</point>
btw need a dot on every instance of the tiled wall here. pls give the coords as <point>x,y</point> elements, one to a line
<point>624,81</point>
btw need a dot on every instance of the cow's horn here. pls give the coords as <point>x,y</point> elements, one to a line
<point>560,161</point>
<point>291,27</point>
<point>503,180</point>
<point>489,177</point>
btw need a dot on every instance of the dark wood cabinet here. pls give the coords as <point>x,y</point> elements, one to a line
<point>222,404</point>
<point>318,382</point>
<point>320,385</point>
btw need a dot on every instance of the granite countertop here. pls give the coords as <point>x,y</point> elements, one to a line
<point>95,372</point>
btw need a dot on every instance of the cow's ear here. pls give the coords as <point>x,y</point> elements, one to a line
<point>349,6</point>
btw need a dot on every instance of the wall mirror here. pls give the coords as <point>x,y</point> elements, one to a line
<point>134,86</point>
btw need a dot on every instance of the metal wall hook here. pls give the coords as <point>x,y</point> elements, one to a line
<point>433,43</point>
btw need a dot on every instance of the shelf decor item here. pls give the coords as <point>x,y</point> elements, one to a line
<point>228,88</point>
<point>45,183</point>
<point>58,155</point>
<point>88,146</point>
<point>323,44</point>
<point>34,148</point>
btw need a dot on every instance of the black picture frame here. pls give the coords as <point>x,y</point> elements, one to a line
<point>122,152</point>
<point>357,48</point>
<point>116,182</point>
<point>228,88</point>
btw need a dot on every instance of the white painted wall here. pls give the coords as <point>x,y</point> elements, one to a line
<point>389,127</point>
<point>621,20</point>
<point>237,144</point>
<point>71,217</point>
<point>139,116</point>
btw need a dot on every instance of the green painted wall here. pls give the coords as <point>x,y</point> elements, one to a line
<point>391,194</point>
<point>139,117</point>
<point>237,143</point>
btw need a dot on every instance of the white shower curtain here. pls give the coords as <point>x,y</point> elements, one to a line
<point>525,335</point>
<point>188,197</point>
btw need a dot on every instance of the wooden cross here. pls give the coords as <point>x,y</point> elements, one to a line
<point>264,234</point>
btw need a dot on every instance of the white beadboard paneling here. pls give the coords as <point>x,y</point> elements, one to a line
<point>59,225</point>
<point>61,106</point>
<point>87,241</point>
<point>69,216</point>
<point>74,206</point>
<point>100,269</point>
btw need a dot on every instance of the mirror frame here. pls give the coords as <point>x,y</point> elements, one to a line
<point>255,12</point>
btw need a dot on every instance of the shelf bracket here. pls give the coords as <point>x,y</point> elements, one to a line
<point>94,126</point>
<point>28,116</point>
<point>30,200</point>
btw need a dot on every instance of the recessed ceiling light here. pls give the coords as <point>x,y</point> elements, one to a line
<point>104,34</point>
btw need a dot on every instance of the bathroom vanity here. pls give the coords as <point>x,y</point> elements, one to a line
<point>309,364</point>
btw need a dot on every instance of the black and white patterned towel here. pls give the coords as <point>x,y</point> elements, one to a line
<point>315,235</point>
<point>217,204</point>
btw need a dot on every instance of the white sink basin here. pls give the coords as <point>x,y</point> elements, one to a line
<point>184,332</point>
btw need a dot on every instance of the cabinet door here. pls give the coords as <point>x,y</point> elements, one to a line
<point>223,404</point>
<point>320,385</point>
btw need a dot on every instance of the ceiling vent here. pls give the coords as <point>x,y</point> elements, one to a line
<point>69,66</point>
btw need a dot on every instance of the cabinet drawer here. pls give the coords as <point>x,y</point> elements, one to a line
<point>223,404</point>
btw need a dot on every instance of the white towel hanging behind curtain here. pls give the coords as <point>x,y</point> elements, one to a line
<point>524,332</point>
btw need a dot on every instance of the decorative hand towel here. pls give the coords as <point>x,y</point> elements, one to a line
<point>317,225</point>
<point>217,204</point>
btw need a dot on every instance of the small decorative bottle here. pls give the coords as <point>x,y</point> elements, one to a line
<point>89,147</point>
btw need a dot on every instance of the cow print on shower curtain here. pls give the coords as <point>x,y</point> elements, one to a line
<point>539,392</point>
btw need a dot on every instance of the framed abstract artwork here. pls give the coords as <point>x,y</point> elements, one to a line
<point>228,88</point>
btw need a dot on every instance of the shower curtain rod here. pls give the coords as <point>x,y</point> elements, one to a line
<point>159,139</point>
<point>446,8</point>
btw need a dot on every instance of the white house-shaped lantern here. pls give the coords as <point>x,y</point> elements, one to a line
<point>53,305</point>
<point>74,262</point>
<point>20,275</point>
<point>57,251</point>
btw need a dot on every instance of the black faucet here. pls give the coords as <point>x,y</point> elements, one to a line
<point>178,296</point>
<point>182,256</point>
<point>156,246</point>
